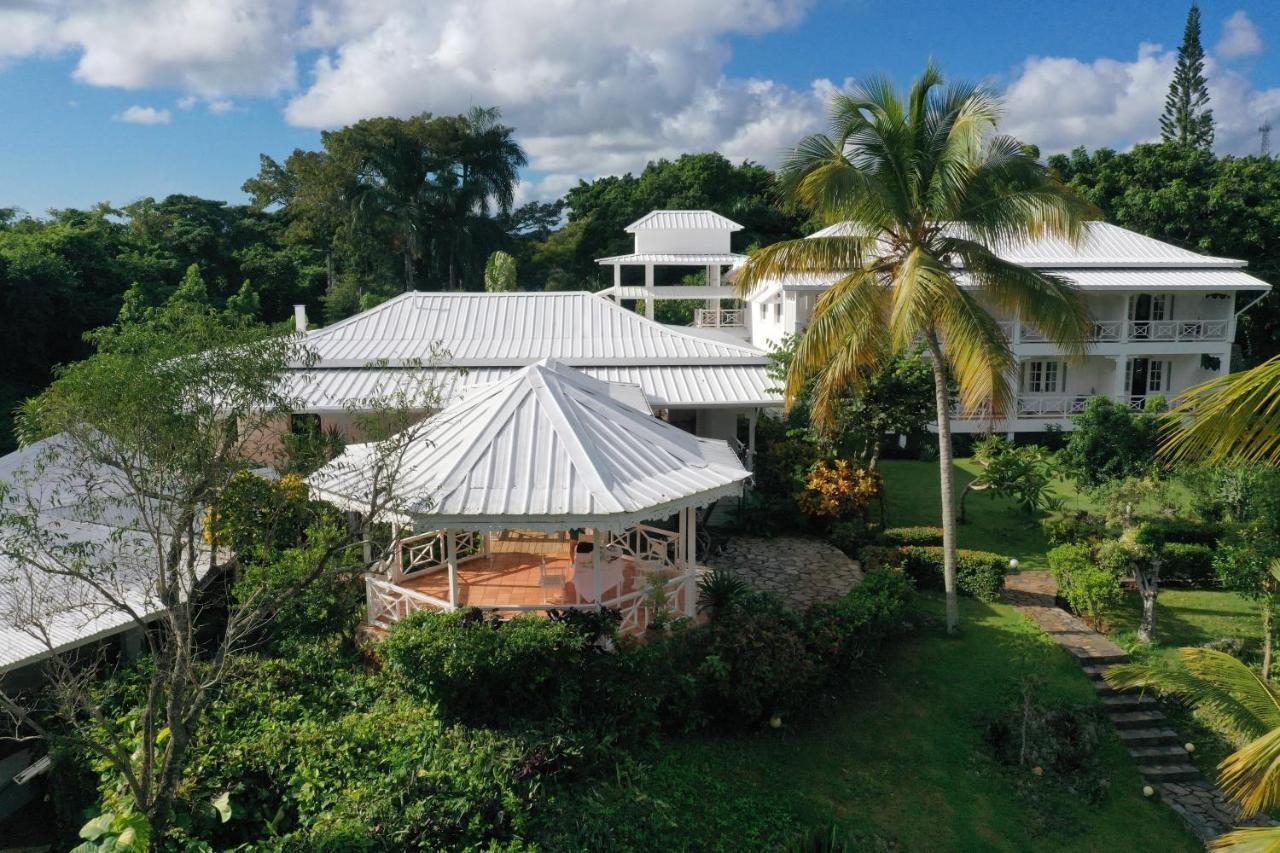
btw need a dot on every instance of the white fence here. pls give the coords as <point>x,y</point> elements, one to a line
<point>1111,331</point>
<point>710,318</point>
<point>426,552</point>
<point>647,546</point>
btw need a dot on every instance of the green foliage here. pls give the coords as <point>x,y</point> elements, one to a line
<point>978,573</point>
<point>309,447</point>
<point>1021,473</point>
<point>490,671</point>
<point>921,535</point>
<point>1090,590</point>
<point>1188,562</point>
<point>500,273</point>
<point>1109,442</point>
<point>1077,527</point>
<point>719,590</point>
<point>853,535</point>
<point>844,633</point>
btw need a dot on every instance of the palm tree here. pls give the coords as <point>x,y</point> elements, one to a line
<point>1247,707</point>
<point>928,191</point>
<point>1231,418</point>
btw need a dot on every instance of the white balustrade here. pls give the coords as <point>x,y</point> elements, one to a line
<point>1177,330</point>
<point>713,318</point>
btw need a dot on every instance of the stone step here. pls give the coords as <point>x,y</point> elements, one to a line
<point>1096,671</point>
<point>1148,737</point>
<point>1088,657</point>
<point>1103,689</point>
<point>1129,702</point>
<point>1169,772</point>
<point>1137,719</point>
<point>1150,756</point>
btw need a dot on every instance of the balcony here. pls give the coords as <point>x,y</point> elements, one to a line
<point>1117,331</point>
<point>723,318</point>
<point>1032,406</point>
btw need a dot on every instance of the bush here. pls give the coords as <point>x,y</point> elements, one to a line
<point>1186,531</point>
<point>1110,442</point>
<point>1188,562</point>
<point>843,633</point>
<point>474,669</point>
<point>853,535</point>
<point>1089,589</point>
<point>979,574</point>
<point>838,490</point>
<point>1075,528</point>
<point>926,536</point>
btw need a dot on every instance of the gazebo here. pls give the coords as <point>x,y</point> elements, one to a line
<point>543,491</point>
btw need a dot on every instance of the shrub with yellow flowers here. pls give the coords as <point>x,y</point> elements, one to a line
<point>837,490</point>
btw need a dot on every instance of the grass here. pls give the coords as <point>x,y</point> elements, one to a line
<point>900,760</point>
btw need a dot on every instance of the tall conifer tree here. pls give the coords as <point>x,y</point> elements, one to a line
<point>1187,119</point>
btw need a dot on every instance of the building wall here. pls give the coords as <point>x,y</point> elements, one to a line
<point>689,241</point>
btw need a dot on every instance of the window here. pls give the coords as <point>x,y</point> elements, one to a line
<point>1044,377</point>
<point>764,311</point>
<point>1157,377</point>
<point>777,311</point>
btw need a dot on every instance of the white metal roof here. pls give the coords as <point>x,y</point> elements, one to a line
<point>1104,245</point>
<point>671,220</point>
<point>674,259</point>
<point>43,614</point>
<point>663,386</point>
<point>1162,279</point>
<point>676,291</point>
<point>548,447</point>
<point>513,329</point>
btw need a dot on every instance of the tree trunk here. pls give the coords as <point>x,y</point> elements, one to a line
<point>408,269</point>
<point>946,481</point>
<point>1148,583</point>
<point>329,274</point>
<point>1268,639</point>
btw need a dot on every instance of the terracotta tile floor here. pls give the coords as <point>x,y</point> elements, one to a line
<point>512,575</point>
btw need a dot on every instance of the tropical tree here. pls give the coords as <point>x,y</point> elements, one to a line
<point>1187,119</point>
<point>500,273</point>
<point>1247,708</point>
<point>928,191</point>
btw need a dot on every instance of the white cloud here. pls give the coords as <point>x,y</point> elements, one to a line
<point>219,106</point>
<point>1239,37</point>
<point>143,115</point>
<point>186,102</point>
<point>1059,103</point>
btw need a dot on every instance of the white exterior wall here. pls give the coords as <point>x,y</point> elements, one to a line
<point>765,320</point>
<point>717,423</point>
<point>683,241</point>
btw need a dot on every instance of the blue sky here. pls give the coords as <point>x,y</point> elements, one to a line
<point>119,99</point>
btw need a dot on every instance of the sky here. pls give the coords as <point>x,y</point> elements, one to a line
<point>115,100</point>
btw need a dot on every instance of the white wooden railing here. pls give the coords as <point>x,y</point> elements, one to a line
<point>1054,405</point>
<point>425,552</point>
<point>388,602</point>
<point>1177,330</point>
<point>647,545</point>
<point>715,318</point>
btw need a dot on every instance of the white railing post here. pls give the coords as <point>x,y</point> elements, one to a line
<point>691,561</point>
<point>451,558</point>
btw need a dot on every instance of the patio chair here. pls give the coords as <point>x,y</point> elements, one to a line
<point>548,577</point>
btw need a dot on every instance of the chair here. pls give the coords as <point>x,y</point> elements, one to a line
<point>550,577</point>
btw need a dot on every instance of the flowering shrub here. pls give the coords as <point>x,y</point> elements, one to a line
<point>837,490</point>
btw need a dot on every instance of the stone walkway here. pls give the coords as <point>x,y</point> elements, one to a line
<point>1161,758</point>
<point>800,571</point>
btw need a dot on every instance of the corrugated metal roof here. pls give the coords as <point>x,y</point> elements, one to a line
<point>1104,245</point>
<point>41,613</point>
<point>1172,279</point>
<point>672,220</point>
<point>513,329</point>
<point>674,259</point>
<point>547,446</point>
<point>663,386</point>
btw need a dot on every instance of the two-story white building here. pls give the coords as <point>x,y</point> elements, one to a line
<point>1164,320</point>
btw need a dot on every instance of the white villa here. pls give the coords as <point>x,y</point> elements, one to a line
<point>1164,320</point>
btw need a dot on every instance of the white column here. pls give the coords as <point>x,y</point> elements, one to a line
<point>451,556</point>
<point>691,561</point>
<point>713,279</point>
<point>648,291</point>
<point>617,282</point>
<point>1119,392</point>
<point>597,560</point>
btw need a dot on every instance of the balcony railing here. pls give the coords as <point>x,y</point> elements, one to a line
<point>711,318</point>
<point>1177,330</point>
<point>1050,406</point>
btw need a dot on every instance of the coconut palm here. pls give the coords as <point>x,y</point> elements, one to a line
<point>926,192</point>
<point>1235,418</point>
<point>1247,707</point>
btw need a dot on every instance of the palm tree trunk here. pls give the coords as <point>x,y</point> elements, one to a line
<point>408,269</point>
<point>1268,638</point>
<point>942,402</point>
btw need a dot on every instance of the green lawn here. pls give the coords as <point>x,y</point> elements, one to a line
<point>902,758</point>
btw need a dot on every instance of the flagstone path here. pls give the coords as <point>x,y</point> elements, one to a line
<point>1161,759</point>
<point>801,571</point>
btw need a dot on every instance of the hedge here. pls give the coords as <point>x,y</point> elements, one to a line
<point>979,574</point>
<point>1074,529</point>
<point>1184,531</point>
<point>1188,562</point>
<point>924,536</point>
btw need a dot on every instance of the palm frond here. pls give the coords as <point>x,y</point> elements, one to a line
<point>1261,839</point>
<point>1234,417</point>
<point>1251,774</point>
<point>813,255</point>
<point>1233,694</point>
<point>977,352</point>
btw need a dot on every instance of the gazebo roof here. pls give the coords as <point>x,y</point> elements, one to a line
<point>547,448</point>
